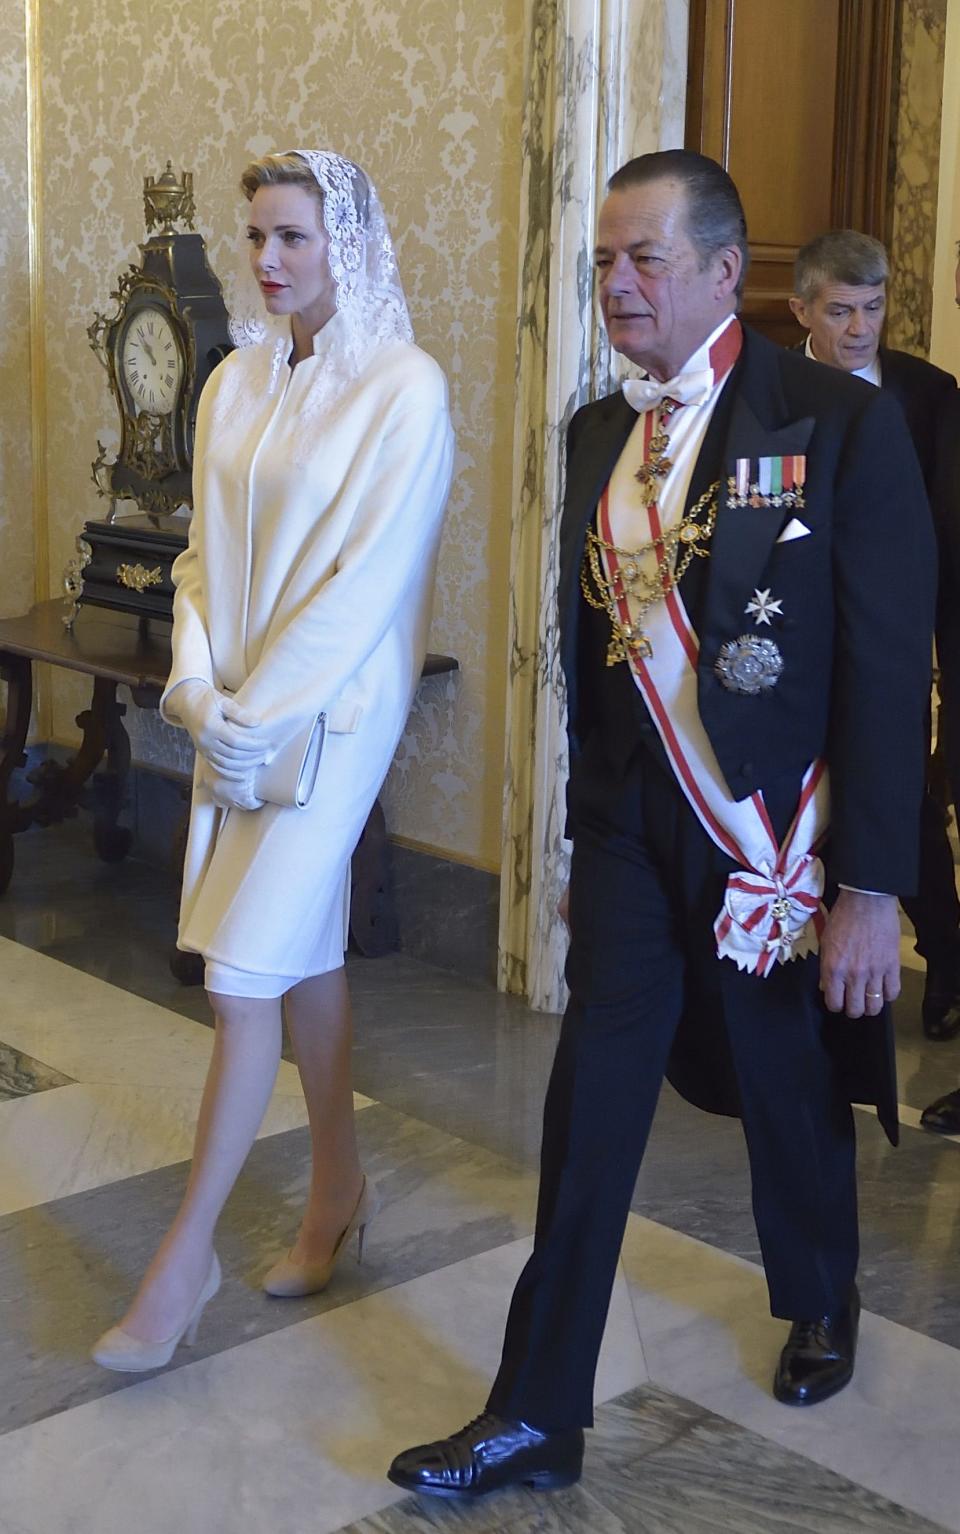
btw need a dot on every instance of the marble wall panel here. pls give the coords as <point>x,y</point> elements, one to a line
<point>16,505</point>
<point>605,80</point>
<point>428,98</point>
<point>916,173</point>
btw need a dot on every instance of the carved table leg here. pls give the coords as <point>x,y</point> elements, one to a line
<point>17,673</point>
<point>111,841</point>
<point>60,786</point>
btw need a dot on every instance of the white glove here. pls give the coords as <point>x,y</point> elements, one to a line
<point>230,793</point>
<point>227,735</point>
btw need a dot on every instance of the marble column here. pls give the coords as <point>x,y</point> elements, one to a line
<point>914,174</point>
<point>605,81</point>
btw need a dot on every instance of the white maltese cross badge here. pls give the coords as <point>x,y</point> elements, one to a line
<point>762,607</point>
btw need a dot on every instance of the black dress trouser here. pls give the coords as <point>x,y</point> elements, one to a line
<point>646,884</point>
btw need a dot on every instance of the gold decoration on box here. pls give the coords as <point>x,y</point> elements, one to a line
<point>138,578</point>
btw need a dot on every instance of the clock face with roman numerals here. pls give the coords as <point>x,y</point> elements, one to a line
<point>151,361</point>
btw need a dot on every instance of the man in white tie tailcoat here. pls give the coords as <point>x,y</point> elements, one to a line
<point>745,604</point>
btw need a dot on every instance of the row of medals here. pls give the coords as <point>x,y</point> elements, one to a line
<point>750,664</point>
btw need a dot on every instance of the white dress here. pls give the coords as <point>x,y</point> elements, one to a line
<point>306,587</point>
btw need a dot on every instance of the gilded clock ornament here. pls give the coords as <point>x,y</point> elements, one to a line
<point>168,200</point>
<point>73,581</point>
<point>166,331</point>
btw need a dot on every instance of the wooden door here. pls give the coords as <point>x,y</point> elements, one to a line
<point>794,98</point>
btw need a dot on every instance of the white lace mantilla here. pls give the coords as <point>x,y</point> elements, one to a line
<point>371,306</point>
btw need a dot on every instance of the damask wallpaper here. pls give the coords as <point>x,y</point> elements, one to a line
<point>16,517</point>
<point>427,97</point>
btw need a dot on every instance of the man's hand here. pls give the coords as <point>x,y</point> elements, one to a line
<point>860,954</point>
<point>563,907</point>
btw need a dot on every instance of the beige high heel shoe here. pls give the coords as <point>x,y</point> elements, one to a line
<point>289,1280</point>
<point>129,1355</point>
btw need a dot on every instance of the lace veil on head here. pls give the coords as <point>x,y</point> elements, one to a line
<point>370,300</point>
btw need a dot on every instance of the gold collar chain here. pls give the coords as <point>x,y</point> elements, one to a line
<point>645,588</point>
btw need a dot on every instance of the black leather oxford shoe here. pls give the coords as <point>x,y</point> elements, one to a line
<point>943,1115</point>
<point>487,1455</point>
<point>941,1002</point>
<point>819,1356</point>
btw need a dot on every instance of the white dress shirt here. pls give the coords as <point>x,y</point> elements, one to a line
<point>869,374</point>
<point>687,427</point>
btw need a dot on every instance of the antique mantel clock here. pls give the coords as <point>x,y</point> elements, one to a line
<point>169,329</point>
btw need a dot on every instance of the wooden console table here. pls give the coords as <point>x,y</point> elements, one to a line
<point>116,649</point>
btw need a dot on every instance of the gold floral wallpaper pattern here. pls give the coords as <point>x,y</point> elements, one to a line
<point>427,97</point>
<point>16,515</point>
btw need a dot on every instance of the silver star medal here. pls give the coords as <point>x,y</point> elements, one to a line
<point>761,609</point>
<point>749,665</point>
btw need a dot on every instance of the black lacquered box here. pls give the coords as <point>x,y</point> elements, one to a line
<point>129,565</point>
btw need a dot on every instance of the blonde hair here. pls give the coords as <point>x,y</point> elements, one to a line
<point>290,169</point>
<point>279,170</point>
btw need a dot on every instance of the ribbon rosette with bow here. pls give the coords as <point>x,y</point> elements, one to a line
<point>769,918</point>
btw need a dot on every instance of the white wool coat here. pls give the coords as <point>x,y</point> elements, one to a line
<point>306,587</point>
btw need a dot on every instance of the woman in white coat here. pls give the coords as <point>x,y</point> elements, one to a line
<point>321,471</point>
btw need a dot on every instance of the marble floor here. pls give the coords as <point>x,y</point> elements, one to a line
<point>284,1415</point>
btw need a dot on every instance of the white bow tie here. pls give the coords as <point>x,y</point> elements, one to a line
<point>686,389</point>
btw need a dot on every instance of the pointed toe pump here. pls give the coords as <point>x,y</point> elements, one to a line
<point>289,1280</point>
<point>119,1351</point>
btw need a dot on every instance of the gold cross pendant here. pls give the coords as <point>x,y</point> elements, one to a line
<point>648,475</point>
<point>615,651</point>
<point>627,639</point>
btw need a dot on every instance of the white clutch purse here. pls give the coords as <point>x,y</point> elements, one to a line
<point>288,776</point>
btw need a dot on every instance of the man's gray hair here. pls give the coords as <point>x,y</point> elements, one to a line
<point>841,255</point>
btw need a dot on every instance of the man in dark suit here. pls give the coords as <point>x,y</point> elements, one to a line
<point>840,297</point>
<point>703,699</point>
<point>943,1115</point>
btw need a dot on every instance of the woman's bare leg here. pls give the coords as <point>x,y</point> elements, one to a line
<point>320,1024</point>
<point>243,1069</point>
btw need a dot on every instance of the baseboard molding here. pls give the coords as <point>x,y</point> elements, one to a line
<point>448,912</point>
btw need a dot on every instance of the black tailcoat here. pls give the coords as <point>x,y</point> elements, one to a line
<point>946,501</point>
<point>921,390</point>
<point>946,509</point>
<point>858,597</point>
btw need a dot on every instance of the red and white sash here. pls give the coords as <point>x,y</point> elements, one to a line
<point>772,910</point>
